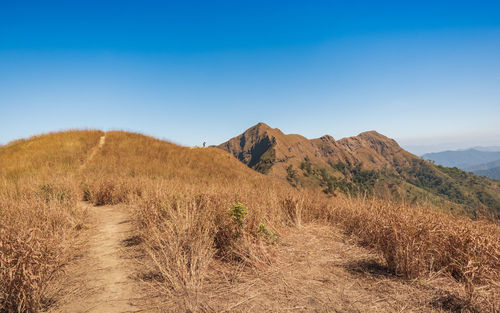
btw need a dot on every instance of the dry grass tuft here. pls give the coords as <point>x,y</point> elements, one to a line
<point>417,242</point>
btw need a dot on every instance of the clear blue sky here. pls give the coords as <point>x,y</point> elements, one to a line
<point>425,72</point>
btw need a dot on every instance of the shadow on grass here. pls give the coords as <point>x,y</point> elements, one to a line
<point>450,302</point>
<point>152,277</point>
<point>132,241</point>
<point>370,267</point>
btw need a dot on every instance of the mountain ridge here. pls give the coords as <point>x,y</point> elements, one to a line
<point>250,146</point>
<point>367,163</point>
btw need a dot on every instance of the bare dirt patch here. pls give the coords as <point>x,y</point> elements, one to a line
<point>101,279</point>
<point>316,269</point>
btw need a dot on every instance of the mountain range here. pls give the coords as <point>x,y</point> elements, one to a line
<point>369,163</point>
<point>480,161</point>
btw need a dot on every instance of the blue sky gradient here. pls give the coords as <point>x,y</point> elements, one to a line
<point>425,72</point>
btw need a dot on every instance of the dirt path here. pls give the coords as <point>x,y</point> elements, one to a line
<point>94,151</point>
<point>101,279</point>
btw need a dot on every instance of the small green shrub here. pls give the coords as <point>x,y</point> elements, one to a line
<point>49,192</point>
<point>267,233</point>
<point>238,212</point>
<point>229,231</point>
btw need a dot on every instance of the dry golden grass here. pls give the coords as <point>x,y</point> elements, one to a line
<point>418,242</point>
<point>182,199</point>
<point>38,193</point>
<point>183,195</point>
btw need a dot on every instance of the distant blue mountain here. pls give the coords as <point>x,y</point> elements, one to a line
<point>483,162</point>
<point>484,166</point>
<point>491,173</point>
<point>463,159</point>
<point>491,169</point>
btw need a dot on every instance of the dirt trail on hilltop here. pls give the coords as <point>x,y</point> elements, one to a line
<point>101,279</point>
<point>94,151</point>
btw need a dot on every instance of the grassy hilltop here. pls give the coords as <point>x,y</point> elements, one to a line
<point>205,219</point>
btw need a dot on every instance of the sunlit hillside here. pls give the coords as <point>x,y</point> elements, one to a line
<point>215,235</point>
<point>369,163</point>
<point>39,190</point>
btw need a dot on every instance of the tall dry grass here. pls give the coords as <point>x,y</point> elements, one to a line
<point>38,192</point>
<point>183,198</point>
<point>417,242</point>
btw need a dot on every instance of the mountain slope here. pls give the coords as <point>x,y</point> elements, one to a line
<point>367,163</point>
<point>270,151</point>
